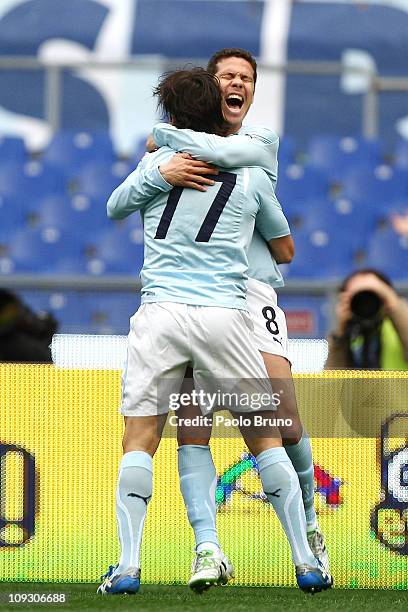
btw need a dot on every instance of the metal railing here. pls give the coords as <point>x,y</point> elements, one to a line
<point>325,288</point>
<point>53,88</point>
<point>53,96</point>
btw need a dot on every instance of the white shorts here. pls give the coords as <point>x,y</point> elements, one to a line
<point>165,337</point>
<point>270,331</point>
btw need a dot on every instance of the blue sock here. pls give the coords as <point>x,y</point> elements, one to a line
<point>198,480</point>
<point>300,455</point>
<point>132,496</point>
<point>281,486</point>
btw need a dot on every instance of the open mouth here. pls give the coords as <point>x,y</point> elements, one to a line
<point>234,101</point>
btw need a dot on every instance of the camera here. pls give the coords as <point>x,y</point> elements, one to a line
<point>366,307</point>
<point>24,335</point>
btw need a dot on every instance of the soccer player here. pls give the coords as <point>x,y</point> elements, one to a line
<point>237,72</point>
<point>194,312</point>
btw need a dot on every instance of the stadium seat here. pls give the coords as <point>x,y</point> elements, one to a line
<point>342,217</point>
<point>381,185</point>
<point>110,312</point>
<point>11,212</point>
<point>68,307</point>
<point>320,254</point>
<point>116,251</point>
<point>38,250</point>
<point>286,151</point>
<point>297,182</point>
<point>97,179</point>
<point>70,150</point>
<point>335,155</point>
<point>12,148</point>
<point>77,214</point>
<point>401,155</point>
<point>388,252</point>
<point>30,180</point>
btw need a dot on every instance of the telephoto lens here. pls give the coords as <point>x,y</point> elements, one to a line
<point>366,306</point>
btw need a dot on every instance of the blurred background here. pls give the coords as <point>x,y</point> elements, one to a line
<point>76,79</point>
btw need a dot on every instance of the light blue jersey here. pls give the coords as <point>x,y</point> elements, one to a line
<point>196,242</point>
<point>260,149</point>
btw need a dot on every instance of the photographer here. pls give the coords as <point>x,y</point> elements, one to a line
<point>372,325</point>
<point>24,336</point>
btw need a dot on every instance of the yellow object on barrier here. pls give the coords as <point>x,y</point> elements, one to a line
<point>60,447</point>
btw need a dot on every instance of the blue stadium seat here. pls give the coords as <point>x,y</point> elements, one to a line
<point>68,307</point>
<point>286,151</point>
<point>38,250</point>
<point>116,251</point>
<point>109,313</point>
<point>30,180</point>
<point>335,155</point>
<point>297,182</point>
<point>296,212</point>
<point>50,211</point>
<point>70,149</point>
<point>98,179</point>
<point>90,212</point>
<point>382,184</point>
<point>343,217</point>
<point>11,212</point>
<point>36,300</point>
<point>401,155</point>
<point>77,214</point>
<point>320,254</point>
<point>388,252</point>
<point>12,148</point>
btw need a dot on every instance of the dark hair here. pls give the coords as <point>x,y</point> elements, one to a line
<point>376,273</point>
<point>192,99</point>
<point>231,52</point>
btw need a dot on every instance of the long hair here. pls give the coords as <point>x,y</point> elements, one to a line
<point>192,99</point>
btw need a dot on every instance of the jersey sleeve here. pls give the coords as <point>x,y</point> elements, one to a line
<point>250,148</point>
<point>137,189</point>
<point>270,220</point>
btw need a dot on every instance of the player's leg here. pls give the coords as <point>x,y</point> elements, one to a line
<point>281,487</point>
<point>134,491</point>
<point>150,375</point>
<point>224,360</point>
<point>237,363</point>
<point>198,480</point>
<point>297,445</point>
<point>295,440</point>
<point>270,333</point>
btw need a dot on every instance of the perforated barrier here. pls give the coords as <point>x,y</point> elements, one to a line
<point>60,447</point>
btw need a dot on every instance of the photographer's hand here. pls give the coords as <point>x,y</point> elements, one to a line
<point>371,282</point>
<point>343,313</point>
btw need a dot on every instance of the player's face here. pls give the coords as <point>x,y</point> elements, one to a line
<point>236,78</point>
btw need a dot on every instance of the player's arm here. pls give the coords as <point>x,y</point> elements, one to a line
<point>273,225</point>
<point>282,249</point>
<point>256,148</point>
<point>137,190</point>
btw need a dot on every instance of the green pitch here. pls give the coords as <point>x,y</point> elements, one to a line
<point>153,598</point>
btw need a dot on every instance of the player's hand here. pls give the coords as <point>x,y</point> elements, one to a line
<point>151,146</point>
<point>184,171</point>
